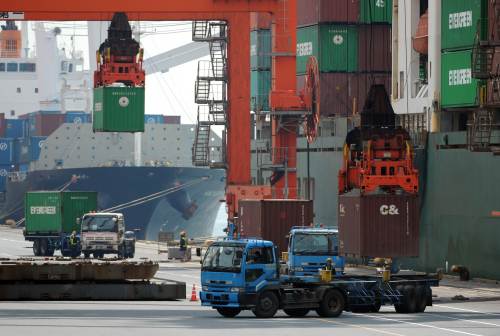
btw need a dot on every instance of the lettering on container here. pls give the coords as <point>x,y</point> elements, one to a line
<point>253,50</point>
<point>341,210</point>
<point>460,20</point>
<point>98,107</point>
<point>43,210</point>
<point>12,15</point>
<point>389,210</point>
<point>459,77</point>
<point>3,146</point>
<point>304,49</point>
<point>380,3</point>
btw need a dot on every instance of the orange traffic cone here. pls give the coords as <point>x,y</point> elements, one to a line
<point>193,294</point>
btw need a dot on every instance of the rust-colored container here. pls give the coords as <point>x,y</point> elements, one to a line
<point>493,84</point>
<point>375,48</point>
<point>311,12</point>
<point>46,124</point>
<point>493,20</point>
<point>272,219</point>
<point>260,21</point>
<point>2,125</point>
<point>344,94</point>
<point>176,120</point>
<point>379,225</point>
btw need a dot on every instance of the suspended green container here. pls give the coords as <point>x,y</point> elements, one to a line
<point>375,11</point>
<point>54,212</point>
<point>118,109</point>
<point>260,86</point>
<point>260,49</point>
<point>461,20</point>
<point>458,87</point>
<point>335,47</point>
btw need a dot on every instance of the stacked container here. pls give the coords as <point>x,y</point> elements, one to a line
<point>76,117</point>
<point>461,21</point>
<point>260,62</point>
<point>172,120</point>
<point>154,119</point>
<point>352,42</point>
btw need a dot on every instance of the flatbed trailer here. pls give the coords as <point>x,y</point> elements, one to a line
<point>259,287</point>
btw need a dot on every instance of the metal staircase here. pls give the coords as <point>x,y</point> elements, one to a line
<point>483,52</point>
<point>479,131</point>
<point>211,93</point>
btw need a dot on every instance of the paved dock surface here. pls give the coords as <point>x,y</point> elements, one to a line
<point>477,316</point>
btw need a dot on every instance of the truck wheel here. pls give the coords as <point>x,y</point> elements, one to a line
<point>401,306</point>
<point>86,255</point>
<point>361,309</point>
<point>36,247</point>
<point>228,312</point>
<point>332,305</point>
<point>421,293</point>
<point>50,251</point>
<point>44,247</point>
<point>267,305</point>
<point>408,304</point>
<point>96,255</point>
<point>296,312</point>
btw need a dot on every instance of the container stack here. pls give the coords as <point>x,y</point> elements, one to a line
<point>352,41</point>
<point>461,21</point>
<point>260,61</point>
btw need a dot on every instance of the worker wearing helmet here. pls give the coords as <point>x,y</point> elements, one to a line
<point>73,243</point>
<point>183,245</point>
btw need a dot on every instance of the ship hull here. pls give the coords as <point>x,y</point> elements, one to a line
<point>192,207</point>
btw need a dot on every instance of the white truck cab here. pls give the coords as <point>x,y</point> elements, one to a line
<point>102,233</point>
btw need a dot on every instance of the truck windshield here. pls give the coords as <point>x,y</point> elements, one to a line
<point>315,244</point>
<point>100,224</point>
<point>223,258</point>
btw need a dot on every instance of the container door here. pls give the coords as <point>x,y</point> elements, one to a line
<point>260,268</point>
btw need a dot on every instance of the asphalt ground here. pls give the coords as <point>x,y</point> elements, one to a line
<point>478,315</point>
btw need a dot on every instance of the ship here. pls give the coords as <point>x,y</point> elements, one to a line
<point>47,143</point>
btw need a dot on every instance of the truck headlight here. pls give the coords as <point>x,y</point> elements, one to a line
<point>204,288</point>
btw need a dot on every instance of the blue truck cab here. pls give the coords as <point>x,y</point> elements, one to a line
<point>309,248</point>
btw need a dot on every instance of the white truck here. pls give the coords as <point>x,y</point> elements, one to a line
<point>104,233</point>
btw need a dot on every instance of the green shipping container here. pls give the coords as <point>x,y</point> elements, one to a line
<point>335,47</point>
<point>54,212</point>
<point>118,109</point>
<point>458,87</point>
<point>260,49</point>
<point>260,86</point>
<point>375,11</point>
<point>460,20</point>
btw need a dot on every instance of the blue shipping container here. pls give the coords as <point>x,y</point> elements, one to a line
<point>36,145</point>
<point>7,150</point>
<point>24,167</point>
<point>76,117</point>
<point>15,128</point>
<point>4,171</point>
<point>153,119</point>
<point>22,151</point>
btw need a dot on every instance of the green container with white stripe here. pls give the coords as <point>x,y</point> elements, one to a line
<point>458,87</point>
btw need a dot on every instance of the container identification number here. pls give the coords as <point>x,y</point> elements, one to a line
<point>304,49</point>
<point>389,210</point>
<point>460,77</point>
<point>43,210</point>
<point>460,20</point>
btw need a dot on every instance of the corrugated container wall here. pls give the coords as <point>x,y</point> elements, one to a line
<point>7,151</point>
<point>76,117</point>
<point>344,94</point>
<point>56,212</point>
<point>2,125</point>
<point>260,49</point>
<point>175,120</point>
<point>15,128</point>
<point>4,172</point>
<point>335,47</point>
<point>36,145</point>
<point>458,87</point>
<point>154,119</point>
<point>379,225</point>
<point>260,86</point>
<point>460,20</point>
<point>118,109</point>
<point>311,12</point>
<point>273,219</point>
<point>46,124</point>
<point>375,11</point>
<point>375,48</point>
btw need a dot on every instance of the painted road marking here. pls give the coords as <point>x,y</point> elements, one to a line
<point>360,327</point>
<point>417,324</point>
<point>467,310</point>
<point>465,320</point>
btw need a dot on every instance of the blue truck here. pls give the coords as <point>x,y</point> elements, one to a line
<point>309,248</point>
<point>244,274</point>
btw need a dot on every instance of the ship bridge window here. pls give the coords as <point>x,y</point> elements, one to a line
<point>11,67</point>
<point>70,67</point>
<point>2,66</point>
<point>27,67</point>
